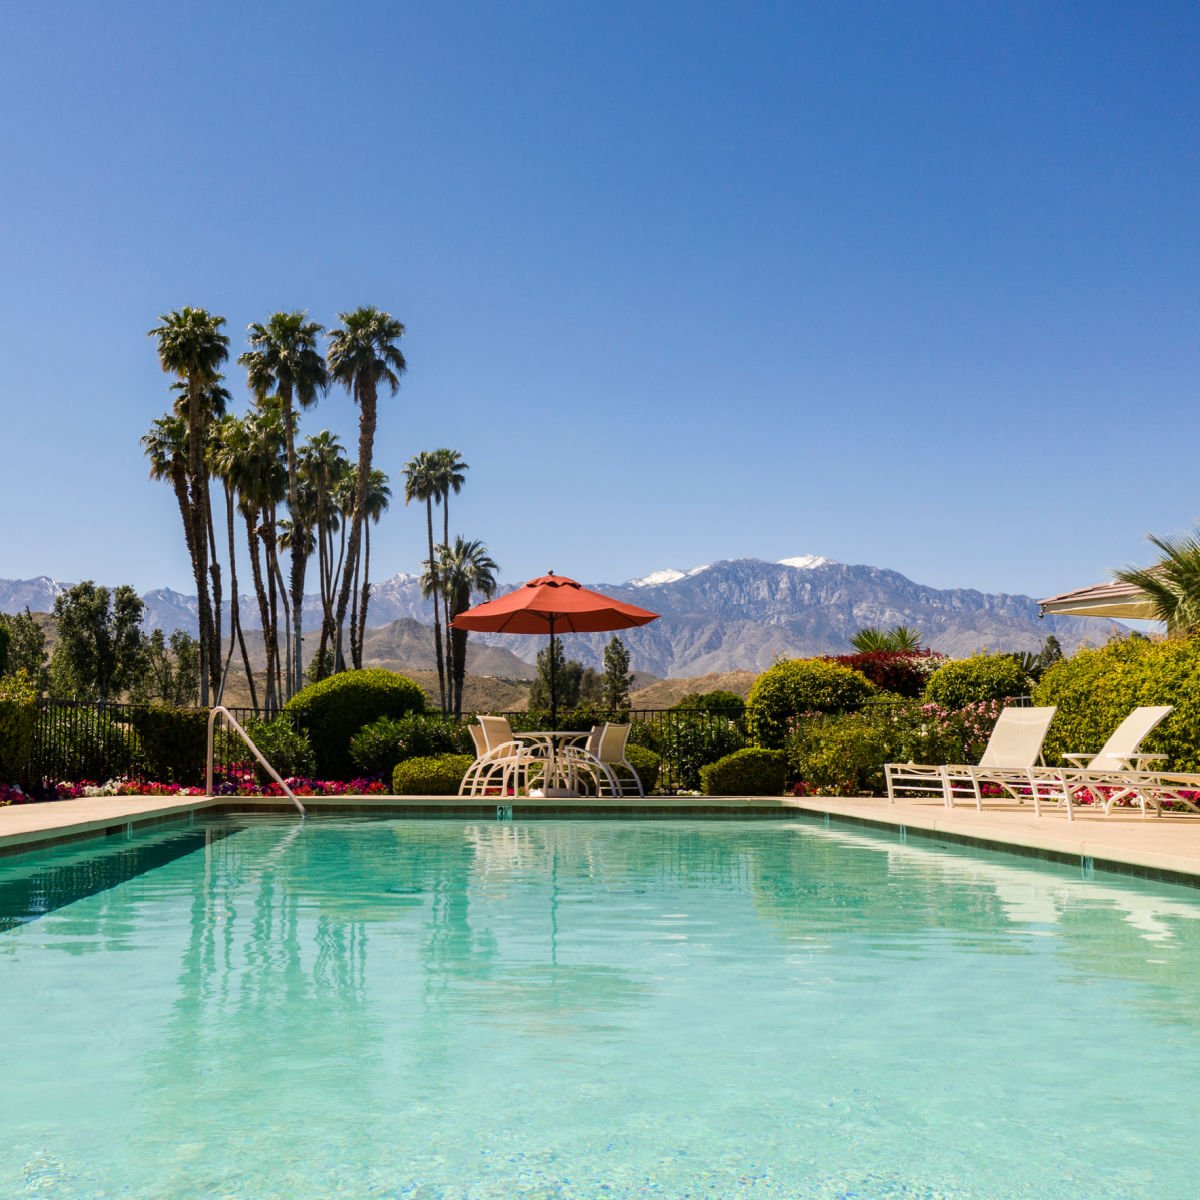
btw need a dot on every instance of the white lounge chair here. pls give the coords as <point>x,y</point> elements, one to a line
<point>1118,770</point>
<point>1009,759</point>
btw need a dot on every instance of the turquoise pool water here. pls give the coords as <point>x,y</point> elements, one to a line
<point>265,1008</point>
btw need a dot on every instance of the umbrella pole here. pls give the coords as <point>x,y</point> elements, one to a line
<point>553,689</point>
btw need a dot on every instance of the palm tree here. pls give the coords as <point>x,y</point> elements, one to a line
<point>363,354</point>
<point>1172,584</point>
<point>284,359</point>
<point>322,467</point>
<point>448,476</point>
<point>900,639</point>
<point>464,568</point>
<point>228,451</point>
<point>192,347</point>
<point>379,495</point>
<point>421,483</point>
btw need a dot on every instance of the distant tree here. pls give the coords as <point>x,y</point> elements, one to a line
<point>4,640</point>
<point>171,669</point>
<point>101,647</point>
<point>1051,653</point>
<point>617,678</point>
<point>872,638</point>
<point>464,569</point>
<point>729,704</point>
<point>26,646</point>
<point>320,668</point>
<point>568,676</point>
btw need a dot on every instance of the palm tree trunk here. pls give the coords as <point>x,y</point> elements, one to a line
<point>260,593</point>
<point>366,442</point>
<point>459,637</point>
<point>437,620</point>
<point>451,645</point>
<point>355,640</point>
<point>214,570</point>
<point>365,598</point>
<point>235,609</point>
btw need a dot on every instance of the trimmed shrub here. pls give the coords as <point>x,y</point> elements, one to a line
<point>800,685</point>
<point>378,747</point>
<point>901,672</point>
<point>284,746</point>
<point>18,719</point>
<point>1095,689</point>
<point>964,681</point>
<point>748,772</point>
<point>438,775</point>
<point>645,762</point>
<point>332,711</point>
<point>174,741</point>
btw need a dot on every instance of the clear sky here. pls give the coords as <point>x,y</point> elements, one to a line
<point>906,284</point>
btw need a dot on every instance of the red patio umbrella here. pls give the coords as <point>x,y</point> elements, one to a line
<point>552,604</point>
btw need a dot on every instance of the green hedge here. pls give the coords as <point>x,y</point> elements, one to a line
<point>377,748</point>
<point>964,681</point>
<point>687,741</point>
<point>1095,690</point>
<point>174,742</point>
<point>332,711</point>
<point>801,685</point>
<point>18,719</point>
<point>748,772</point>
<point>646,763</point>
<point>438,775</point>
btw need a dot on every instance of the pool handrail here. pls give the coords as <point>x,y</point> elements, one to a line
<point>220,710</point>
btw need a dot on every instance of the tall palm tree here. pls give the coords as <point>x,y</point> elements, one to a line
<point>192,347</point>
<point>284,359</point>
<point>322,467</point>
<point>228,452</point>
<point>464,568</point>
<point>379,495</point>
<point>421,484</point>
<point>448,476</point>
<point>1172,584</point>
<point>362,355</point>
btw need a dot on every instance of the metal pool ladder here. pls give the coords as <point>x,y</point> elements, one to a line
<point>221,711</point>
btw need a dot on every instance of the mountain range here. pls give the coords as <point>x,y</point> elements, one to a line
<point>739,614</point>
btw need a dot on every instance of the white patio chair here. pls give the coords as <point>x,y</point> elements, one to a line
<point>501,760</point>
<point>602,760</point>
<point>1008,760</point>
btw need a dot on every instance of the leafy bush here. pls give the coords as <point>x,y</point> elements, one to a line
<point>645,762</point>
<point>964,681</point>
<point>4,642</point>
<point>1095,690</point>
<point>902,672</point>
<point>799,685</point>
<point>333,711</point>
<point>685,742</point>
<point>378,747</point>
<point>284,746</point>
<point>18,720</point>
<point>438,775</point>
<point>845,754</point>
<point>748,772</point>
<point>174,742</point>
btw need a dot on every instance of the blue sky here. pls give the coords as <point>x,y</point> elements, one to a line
<point>912,285</point>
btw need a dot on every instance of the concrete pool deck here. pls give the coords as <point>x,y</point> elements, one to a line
<point>1165,847</point>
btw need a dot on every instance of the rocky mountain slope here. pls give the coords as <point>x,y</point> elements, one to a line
<point>740,614</point>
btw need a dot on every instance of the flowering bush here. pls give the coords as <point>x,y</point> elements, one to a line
<point>903,672</point>
<point>11,794</point>
<point>237,782</point>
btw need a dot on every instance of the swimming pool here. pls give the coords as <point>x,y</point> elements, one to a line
<point>258,1008</point>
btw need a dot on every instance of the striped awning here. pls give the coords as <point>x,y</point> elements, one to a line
<point>1115,600</point>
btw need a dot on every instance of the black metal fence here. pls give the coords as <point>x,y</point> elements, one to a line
<point>78,741</point>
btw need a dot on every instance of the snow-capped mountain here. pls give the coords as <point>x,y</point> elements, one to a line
<point>739,614</point>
